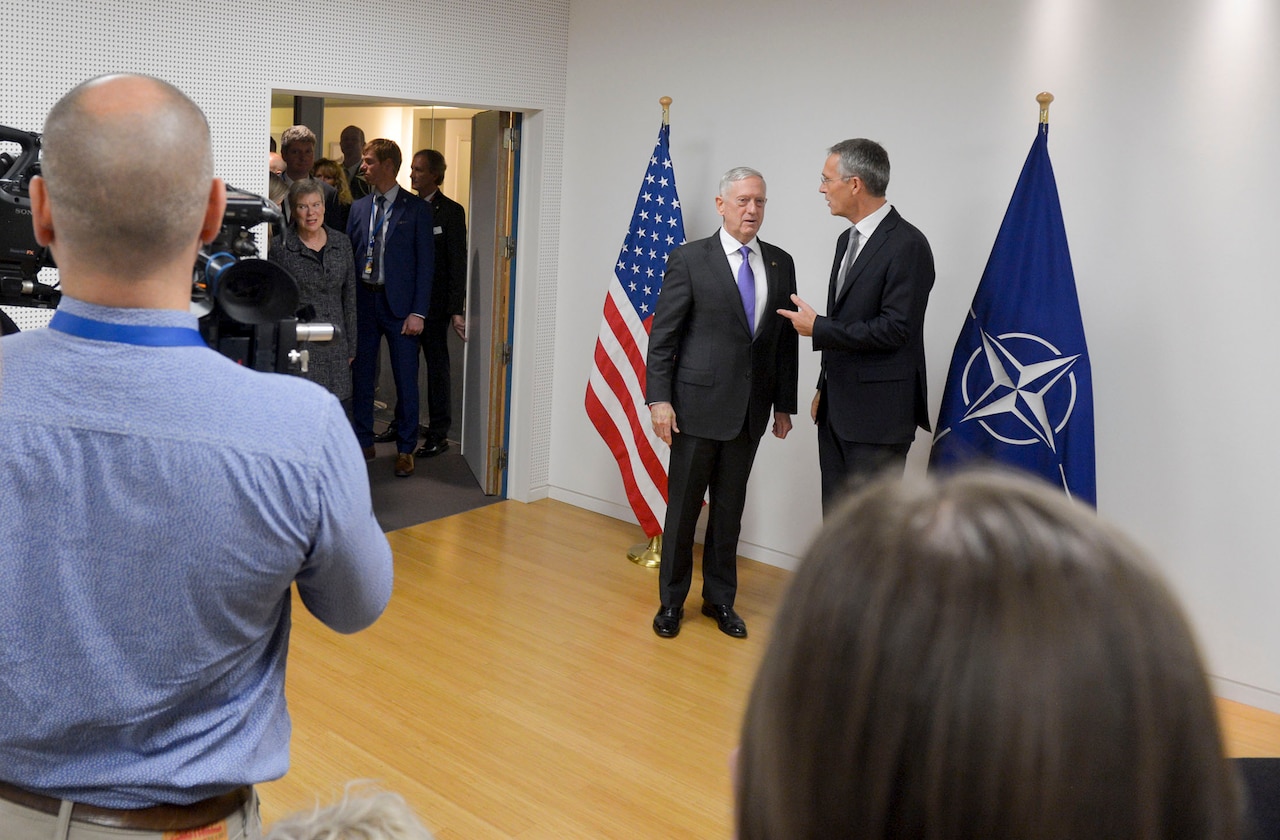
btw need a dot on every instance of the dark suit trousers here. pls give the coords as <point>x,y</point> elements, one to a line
<point>435,350</point>
<point>846,464</point>
<point>696,465</point>
<point>373,321</point>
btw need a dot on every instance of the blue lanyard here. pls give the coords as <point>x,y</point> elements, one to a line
<point>379,216</point>
<point>376,222</point>
<point>146,336</point>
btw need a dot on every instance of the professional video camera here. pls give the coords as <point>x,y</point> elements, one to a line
<point>21,258</point>
<point>248,307</point>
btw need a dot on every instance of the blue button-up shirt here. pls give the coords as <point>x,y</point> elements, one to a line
<point>156,506</point>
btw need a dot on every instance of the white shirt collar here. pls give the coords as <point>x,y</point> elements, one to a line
<point>732,245</point>
<point>390,194</point>
<point>869,223</point>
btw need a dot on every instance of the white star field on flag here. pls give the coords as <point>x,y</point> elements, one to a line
<point>651,238</point>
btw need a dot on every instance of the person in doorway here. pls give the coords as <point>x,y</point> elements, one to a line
<point>394,247</point>
<point>298,148</point>
<point>448,300</point>
<point>351,141</point>
<point>332,173</point>
<point>319,258</point>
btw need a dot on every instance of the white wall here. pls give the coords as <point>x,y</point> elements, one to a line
<point>1162,138</point>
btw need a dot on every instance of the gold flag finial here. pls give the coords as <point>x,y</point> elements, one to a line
<point>1044,99</point>
<point>665,102</point>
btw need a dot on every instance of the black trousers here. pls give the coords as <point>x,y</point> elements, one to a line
<point>435,350</point>
<point>696,466</point>
<point>847,464</point>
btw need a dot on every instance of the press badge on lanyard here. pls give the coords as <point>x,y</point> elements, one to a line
<point>375,228</point>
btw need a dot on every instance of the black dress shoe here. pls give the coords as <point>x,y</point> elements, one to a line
<point>387,435</point>
<point>667,622</point>
<point>431,448</point>
<point>731,624</point>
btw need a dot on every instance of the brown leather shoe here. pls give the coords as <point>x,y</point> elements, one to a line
<point>369,452</point>
<point>404,465</point>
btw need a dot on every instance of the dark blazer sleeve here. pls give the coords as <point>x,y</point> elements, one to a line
<point>904,272</point>
<point>424,257</point>
<point>874,376</point>
<point>453,220</point>
<point>788,348</point>
<point>342,246</point>
<point>332,206</point>
<point>358,231</point>
<point>669,318</point>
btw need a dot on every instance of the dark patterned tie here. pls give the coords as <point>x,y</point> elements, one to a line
<point>379,219</point>
<point>847,263</point>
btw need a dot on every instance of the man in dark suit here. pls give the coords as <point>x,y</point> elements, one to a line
<point>298,148</point>
<point>448,300</point>
<point>720,357</point>
<point>448,295</point>
<point>351,140</point>
<point>871,391</point>
<point>391,237</point>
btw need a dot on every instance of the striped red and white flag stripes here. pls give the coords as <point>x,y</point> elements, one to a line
<point>615,399</point>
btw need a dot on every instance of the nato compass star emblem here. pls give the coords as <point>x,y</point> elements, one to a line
<point>1030,390</point>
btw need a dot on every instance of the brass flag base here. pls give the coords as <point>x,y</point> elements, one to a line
<point>649,556</point>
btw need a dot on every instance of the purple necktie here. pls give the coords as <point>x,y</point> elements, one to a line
<point>747,288</point>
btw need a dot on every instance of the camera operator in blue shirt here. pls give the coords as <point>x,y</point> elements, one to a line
<point>150,532</point>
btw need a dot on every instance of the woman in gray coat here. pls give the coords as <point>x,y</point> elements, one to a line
<point>320,259</point>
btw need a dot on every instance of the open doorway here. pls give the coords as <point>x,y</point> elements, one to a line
<point>479,368</point>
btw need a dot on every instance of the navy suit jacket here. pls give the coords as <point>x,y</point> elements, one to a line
<point>704,361</point>
<point>409,255</point>
<point>872,338</point>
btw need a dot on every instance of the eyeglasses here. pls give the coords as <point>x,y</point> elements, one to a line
<point>824,180</point>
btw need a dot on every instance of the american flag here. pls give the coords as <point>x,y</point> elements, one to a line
<point>615,393</point>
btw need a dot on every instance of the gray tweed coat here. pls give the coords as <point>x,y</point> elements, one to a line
<point>326,280</point>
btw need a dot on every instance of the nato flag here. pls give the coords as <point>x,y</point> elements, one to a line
<point>1019,390</point>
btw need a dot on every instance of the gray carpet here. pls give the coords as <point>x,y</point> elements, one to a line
<point>439,487</point>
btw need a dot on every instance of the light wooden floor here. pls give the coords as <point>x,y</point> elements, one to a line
<point>514,688</point>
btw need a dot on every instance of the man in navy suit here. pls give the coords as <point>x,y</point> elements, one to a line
<point>720,359</point>
<point>871,391</point>
<point>448,300</point>
<point>391,237</point>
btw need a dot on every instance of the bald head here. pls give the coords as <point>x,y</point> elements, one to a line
<point>128,165</point>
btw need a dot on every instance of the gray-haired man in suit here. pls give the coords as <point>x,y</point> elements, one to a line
<point>871,392</point>
<point>720,361</point>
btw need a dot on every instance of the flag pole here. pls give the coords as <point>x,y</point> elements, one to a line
<point>1044,99</point>
<point>649,554</point>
